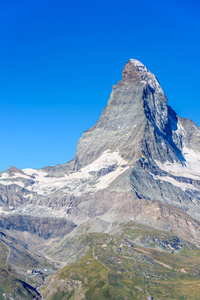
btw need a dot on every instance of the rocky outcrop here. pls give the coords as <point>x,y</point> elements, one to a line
<point>42,226</point>
<point>13,194</point>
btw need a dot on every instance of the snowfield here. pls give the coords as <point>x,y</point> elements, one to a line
<point>83,181</point>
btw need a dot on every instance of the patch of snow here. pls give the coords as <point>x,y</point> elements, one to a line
<point>79,182</point>
<point>5,175</point>
<point>28,196</point>
<point>7,182</point>
<point>182,185</point>
<point>105,180</point>
<point>3,212</point>
<point>191,168</point>
<point>35,210</point>
<point>107,159</point>
<point>197,128</point>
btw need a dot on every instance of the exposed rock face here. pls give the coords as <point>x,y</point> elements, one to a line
<point>13,194</point>
<point>14,170</point>
<point>43,227</point>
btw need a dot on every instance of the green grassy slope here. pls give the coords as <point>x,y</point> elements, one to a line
<point>116,267</point>
<point>10,286</point>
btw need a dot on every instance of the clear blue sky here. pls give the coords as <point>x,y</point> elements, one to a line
<point>59,60</point>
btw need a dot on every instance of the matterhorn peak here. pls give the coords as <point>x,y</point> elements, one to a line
<point>135,71</point>
<point>130,72</point>
<point>136,102</point>
<point>137,135</point>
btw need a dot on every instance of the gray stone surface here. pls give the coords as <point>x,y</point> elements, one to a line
<point>42,226</point>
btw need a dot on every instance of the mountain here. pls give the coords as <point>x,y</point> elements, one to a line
<point>139,165</point>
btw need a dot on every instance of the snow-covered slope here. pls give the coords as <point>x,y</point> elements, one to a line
<point>95,176</point>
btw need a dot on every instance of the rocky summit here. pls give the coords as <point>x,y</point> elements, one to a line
<point>131,193</point>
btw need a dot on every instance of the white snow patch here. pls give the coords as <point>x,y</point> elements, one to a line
<point>4,175</point>
<point>7,182</point>
<point>108,178</point>
<point>191,168</point>
<point>80,182</point>
<point>107,159</point>
<point>35,210</point>
<point>197,128</point>
<point>182,185</point>
<point>180,129</point>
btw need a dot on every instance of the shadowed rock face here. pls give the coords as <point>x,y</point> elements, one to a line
<point>43,227</point>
